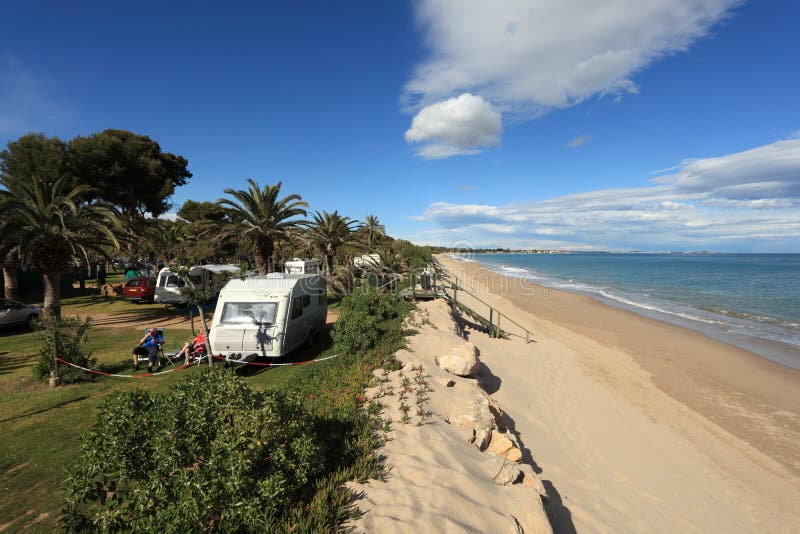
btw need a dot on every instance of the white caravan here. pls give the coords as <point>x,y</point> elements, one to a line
<point>204,277</point>
<point>367,261</point>
<point>268,315</point>
<point>298,266</point>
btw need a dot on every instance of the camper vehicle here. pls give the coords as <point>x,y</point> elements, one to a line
<point>268,315</point>
<point>204,277</point>
<point>298,266</point>
<point>367,261</point>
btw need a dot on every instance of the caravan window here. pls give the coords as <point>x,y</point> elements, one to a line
<point>174,281</point>
<point>297,307</point>
<point>249,313</point>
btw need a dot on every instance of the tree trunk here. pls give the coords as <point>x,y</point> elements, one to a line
<point>82,275</point>
<point>269,251</point>
<point>329,257</point>
<point>262,254</point>
<point>204,329</point>
<point>10,282</point>
<point>101,273</point>
<point>52,294</point>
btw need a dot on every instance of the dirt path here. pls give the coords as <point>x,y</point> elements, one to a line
<point>133,319</point>
<point>140,320</point>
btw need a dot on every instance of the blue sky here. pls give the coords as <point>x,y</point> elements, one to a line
<point>522,124</point>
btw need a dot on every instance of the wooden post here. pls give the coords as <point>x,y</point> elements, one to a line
<point>491,322</point>
<point>498,324</point>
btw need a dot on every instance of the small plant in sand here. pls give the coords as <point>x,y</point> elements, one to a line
<point>405,408</point>
<point>421,392</point>
<point>425,319</point>
<point>405,383</point>
<point>382,391</point>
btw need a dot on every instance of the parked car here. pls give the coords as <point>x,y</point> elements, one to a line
<point>140,289</point>
<point>13,313</point>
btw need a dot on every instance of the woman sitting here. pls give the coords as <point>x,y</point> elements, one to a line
<point>192,347</point>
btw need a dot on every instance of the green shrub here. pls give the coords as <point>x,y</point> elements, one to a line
<point>63,337</point>
<point>213,456</point>
<point>210,455</point>
<point>360,323</point>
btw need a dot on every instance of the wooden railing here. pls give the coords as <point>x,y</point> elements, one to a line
<point>492,322</point>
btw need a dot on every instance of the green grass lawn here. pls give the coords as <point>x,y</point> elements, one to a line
<point>41,427</point>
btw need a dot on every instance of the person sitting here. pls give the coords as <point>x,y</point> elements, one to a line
<point>192,347</point>
<point>148,346</point>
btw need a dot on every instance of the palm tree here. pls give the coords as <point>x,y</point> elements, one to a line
<point>373,231</point>
<point>265,218</point>
<point>330,231</point>
<point>54,226</point>
<point>9,251</point>
<point>9,257</point>
<point>167,238</point>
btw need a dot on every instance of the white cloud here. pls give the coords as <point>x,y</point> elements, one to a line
<point>462,125</point>
<point>742,201</point>
<point>579,141</point>
<point>550,53</point>
<point>770,171</point>
<point>526,58</point>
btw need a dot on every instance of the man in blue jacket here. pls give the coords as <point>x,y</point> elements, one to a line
<point>148,346</point>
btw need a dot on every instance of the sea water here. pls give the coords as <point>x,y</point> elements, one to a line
<point>749,300</point>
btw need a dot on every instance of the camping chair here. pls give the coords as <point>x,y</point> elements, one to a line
<point>197,355</point>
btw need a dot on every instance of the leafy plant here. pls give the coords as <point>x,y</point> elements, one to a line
<point>222,459</point>
<point>361,316</point>
<point>63,337</point>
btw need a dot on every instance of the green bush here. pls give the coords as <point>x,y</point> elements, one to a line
<point>63,337</point>
<point>213,456</point>
<point>210,455</point>
<point>360,322</point>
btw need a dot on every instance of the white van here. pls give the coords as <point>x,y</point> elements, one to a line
<point>268,315</point>
<point>204,277</point>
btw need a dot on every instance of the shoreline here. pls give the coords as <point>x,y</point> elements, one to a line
<point>774,350</point>
<point>752,398</point>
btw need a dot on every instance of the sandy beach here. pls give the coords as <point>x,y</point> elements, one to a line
<point>632,425</point>
<point>640,424</point>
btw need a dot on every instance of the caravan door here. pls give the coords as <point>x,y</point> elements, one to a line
<point>299,322</point>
